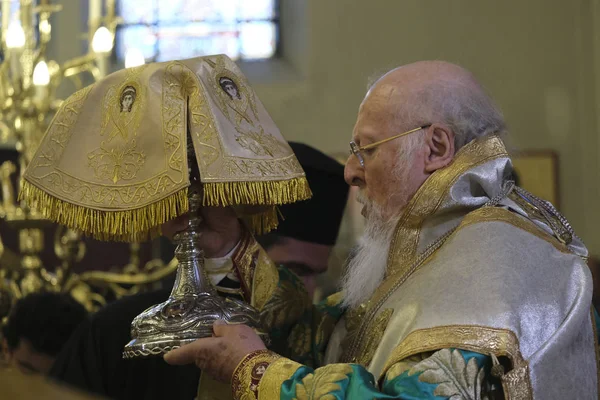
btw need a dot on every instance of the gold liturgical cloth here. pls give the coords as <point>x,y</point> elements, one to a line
<point>150,143</point>
<point>113,163</point>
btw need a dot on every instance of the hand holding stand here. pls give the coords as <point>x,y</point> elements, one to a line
<point>194,304</point>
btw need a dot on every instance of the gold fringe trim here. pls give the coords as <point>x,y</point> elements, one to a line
<point>262,223</point>
<point>257,193</point>
<point>132,225</point>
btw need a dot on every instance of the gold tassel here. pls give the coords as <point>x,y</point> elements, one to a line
<point>144,223</point>
<point>256,193</point>
<point>264,222</point>
<point>132,225</point>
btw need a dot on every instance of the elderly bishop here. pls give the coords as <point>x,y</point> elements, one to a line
<point>463,286</point>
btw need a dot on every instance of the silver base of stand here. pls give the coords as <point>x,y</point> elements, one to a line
<point>179,321</point>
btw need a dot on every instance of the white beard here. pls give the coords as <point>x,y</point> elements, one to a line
<point>367,264</point>
<point>366,268</point>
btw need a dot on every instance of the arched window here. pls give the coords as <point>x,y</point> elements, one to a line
<point>177,29</point>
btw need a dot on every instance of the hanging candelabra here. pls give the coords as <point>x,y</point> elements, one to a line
<point>28,100</point>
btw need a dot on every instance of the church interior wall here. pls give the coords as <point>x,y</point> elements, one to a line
<point>538,58</point>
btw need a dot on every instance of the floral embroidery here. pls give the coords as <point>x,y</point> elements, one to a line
<point>323,382</point>
<point>456,379</point>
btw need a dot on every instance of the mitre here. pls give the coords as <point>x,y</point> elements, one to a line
<point>113,163</point>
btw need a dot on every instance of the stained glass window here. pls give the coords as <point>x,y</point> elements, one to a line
<point>177,29</point>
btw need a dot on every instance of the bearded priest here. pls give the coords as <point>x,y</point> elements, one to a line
<point>464,286</point>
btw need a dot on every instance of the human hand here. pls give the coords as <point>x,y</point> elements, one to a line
<point>220,230</point>
<point>218,355</point>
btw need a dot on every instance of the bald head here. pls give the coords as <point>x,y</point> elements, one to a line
<point>437,92</point>
<point>443,99</point>
<point>425,72</point>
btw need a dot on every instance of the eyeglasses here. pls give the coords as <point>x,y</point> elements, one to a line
<point>356,149</point>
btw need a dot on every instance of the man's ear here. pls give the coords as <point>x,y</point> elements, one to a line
<point>439,140</point>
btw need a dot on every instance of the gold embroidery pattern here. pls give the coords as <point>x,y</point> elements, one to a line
<point>135,72</point>
<point>497,214</point>
<point>60,131</point>
<point>517,385</point>
<point>244,261</point>
<point>174,116</point>
<point>202,124</point>
<point>261,143</point>
<point>278,372</point>
<point>118,158</point>
<point>424,203</point>
<point>299,341</point>
<point>322,382</point>
<point>215,163</point>
<point>122,109</point>
<point>257,170</point>
<point>405,365</point>
<point>454,378</point>
<point>258,277</point>
<point>480,339</point>
<point>355,316</point>
<point>248,373</point>
<point>286,305</point>
<point>325,328</point>
<point>115,164</point>
<point>236,180</point>
<point>430,196</point>
<point>325,324</point>
<point>46,172</point>
<point>481,215</point>
<point>236,106</point>
<point>264,286</point>
<point>353,319</point>
<point>484,214</point>
<point>366,349</point>
<point>233,96</point>
<point>126,190</point>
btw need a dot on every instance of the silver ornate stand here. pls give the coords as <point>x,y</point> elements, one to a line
<point>194,304</point>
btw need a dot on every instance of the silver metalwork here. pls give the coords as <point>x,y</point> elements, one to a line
<point>194,304</point>
<point>562,229</point>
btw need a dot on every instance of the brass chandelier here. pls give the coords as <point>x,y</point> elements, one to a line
<point>28,85</point>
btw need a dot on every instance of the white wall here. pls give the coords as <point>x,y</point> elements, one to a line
<point>538,58</point>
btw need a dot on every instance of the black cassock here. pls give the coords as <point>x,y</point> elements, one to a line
<point>92,359</point>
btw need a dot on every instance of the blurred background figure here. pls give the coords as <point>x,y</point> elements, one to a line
<point>304,240</point>
<point>38,327</point>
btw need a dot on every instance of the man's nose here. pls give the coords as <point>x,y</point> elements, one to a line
<point>353,172</point>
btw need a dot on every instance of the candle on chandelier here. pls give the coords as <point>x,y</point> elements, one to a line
<point>15,42</point>
<point>41,80</point>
